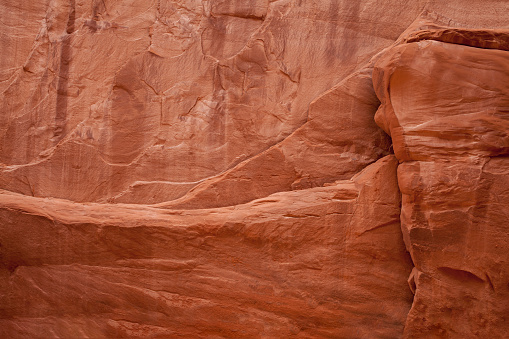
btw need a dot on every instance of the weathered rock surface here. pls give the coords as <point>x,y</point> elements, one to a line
<point>140,101</point>
<point>445,102</point>
<point>219,169</point>
<point>320,262</point>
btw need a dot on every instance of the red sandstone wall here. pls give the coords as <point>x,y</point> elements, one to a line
<point>262,169</point>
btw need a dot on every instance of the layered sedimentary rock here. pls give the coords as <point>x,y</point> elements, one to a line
<point>445,102</point>
<point>219,169</point>
<point>281,266</point>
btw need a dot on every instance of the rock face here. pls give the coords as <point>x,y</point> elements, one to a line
<point>140,101</point>
<point>272,169</point>
<point>445,102</point>
<point>281,266</point>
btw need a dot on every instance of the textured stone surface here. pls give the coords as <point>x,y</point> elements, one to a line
<point>445,102</point>
<point>139,101</point>
<point>292,264</point>
<point>219,169</point>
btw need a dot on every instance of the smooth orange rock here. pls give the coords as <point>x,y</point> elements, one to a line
<point>443,100</point>
<point>445,106</point>
<point>321,262</point>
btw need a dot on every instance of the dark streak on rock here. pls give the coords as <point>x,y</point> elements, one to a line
<point>463,276</point>
<point>63,76</point>
<point>486,39</point>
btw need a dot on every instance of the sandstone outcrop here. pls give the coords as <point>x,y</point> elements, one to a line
<point>261,169</point>
<point>445,103</point>
<point>281,266</point>
<point>141,101</point>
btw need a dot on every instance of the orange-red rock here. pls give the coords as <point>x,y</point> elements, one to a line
<point>445,99</point>
<point>321,262</point>
<point>214,169</point>
<point>107,100</point>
